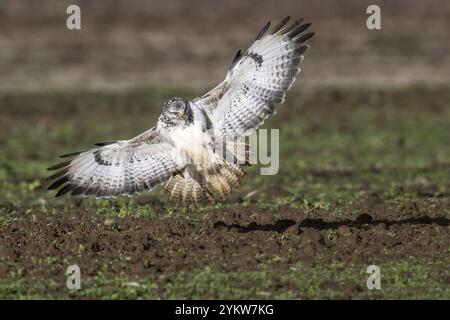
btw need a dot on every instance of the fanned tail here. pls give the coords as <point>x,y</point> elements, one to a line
<point>214,184</point>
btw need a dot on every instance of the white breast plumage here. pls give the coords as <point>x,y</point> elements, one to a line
<point>191,144</point>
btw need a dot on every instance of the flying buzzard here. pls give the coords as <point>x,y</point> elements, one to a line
<point>181,150</point>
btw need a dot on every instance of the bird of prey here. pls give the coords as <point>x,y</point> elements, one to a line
<point>181,150</point>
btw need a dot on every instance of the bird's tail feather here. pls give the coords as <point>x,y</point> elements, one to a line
<point>215,183</point>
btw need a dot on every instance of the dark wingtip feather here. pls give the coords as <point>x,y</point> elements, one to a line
<point>298,30</point>
<point>305,37</point>
<point>69,155</point>
<point>106,143</point>
<point>236,58</point>
<point>63,191</point>
<point>59,182</point>
<point>301,50</point>
<point>77,191</point>
<point>280,25</point>
<point>292,26</point>
<point>59,165</point>
<point>263,31</point>
<point>57,174</point>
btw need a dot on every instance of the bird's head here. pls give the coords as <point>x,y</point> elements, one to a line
<point>177,111</point>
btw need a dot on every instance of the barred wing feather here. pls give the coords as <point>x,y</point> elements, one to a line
<point>116,168</point>
<point>257,79</point>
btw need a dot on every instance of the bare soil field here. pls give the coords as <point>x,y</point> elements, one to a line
<point>228,241</point>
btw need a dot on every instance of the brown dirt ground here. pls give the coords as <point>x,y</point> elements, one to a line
<point>230,238</point>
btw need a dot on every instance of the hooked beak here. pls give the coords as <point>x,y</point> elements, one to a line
<point>180,114</point>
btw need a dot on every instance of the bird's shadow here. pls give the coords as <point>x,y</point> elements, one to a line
<point>279,226</point>
<point>363,221</point>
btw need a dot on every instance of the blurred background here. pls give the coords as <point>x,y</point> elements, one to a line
<point>129,43</point>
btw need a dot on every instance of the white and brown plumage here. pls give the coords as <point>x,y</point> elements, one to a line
<point>180,151</point>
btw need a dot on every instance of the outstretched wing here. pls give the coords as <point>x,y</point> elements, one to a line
<point>257,80</point>
<point>116,168</point>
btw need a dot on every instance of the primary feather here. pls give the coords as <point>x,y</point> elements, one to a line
<point>257,79</point>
